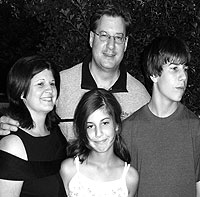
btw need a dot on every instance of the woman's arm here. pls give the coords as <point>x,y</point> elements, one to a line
<point>13,145</point>
<point>10,188</point>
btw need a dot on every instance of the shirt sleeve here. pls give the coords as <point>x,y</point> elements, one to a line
<point>14,168</point>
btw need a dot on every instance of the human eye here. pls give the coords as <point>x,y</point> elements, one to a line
<point>89,126</point>
<point>53,83</point>
<point>104,36</point>
<point>40,84</point>
<point>105,122</point>
<point>186,68</point>
<point>174,67</point>
<point>119,39</point>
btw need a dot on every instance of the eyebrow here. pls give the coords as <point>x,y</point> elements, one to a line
<point>177,64</point>
<point>109,34</point>
<point>107,118</point>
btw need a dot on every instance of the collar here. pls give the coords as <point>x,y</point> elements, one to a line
<point>88,82</point>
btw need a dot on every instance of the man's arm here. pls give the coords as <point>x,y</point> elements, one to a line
<point>7,124</point>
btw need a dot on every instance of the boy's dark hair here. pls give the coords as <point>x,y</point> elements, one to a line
<point>163,50</point>
<point>90,102</point>
<point>18,84</point>
<point>114,10</point>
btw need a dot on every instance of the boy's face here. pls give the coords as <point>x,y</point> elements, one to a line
<point>172,82</point>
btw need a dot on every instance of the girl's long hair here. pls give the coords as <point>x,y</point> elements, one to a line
<point>90,102</point>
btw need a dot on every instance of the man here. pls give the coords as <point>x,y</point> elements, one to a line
<point>108,40</point>
<point>164,136</point>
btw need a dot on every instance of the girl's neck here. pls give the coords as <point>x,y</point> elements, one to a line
<point>101,159</point>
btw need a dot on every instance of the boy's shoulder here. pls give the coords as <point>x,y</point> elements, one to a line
<point>190,117</point>
<point>188,114</point>
<point>140,112</point>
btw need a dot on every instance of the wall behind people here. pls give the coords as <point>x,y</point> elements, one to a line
<point>66,27</point>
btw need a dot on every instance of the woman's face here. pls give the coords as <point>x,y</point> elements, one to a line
<point>42,93</point>
<point>101,130</point>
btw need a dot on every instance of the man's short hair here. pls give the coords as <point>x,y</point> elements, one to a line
<point>114,10</point>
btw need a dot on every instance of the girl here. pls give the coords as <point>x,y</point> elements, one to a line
<point>98,160</point>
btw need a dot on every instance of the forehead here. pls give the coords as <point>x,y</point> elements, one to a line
<point>98,115</point>
<point>43,74</point>
<point>111,24</point>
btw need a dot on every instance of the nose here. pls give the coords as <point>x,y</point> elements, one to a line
<point>49,88</point>
<point>111,42</point>
<point>183,75</point>
<point>98,132</point>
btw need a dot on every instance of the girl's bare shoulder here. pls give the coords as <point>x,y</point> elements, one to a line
<point>132,179</point>
<point>68,168</point>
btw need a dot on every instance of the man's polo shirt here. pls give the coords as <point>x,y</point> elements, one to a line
<point>88,82</point>
<point>75,81</point>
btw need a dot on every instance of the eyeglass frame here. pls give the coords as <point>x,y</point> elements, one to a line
<point>108,36</point>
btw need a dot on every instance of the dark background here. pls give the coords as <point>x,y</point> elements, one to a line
<point>59,29</point>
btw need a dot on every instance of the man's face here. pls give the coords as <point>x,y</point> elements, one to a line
<point>108,54</point>
<point>171,85</point>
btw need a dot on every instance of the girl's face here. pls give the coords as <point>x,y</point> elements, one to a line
<point>101,130</point>
<point>42,93</point>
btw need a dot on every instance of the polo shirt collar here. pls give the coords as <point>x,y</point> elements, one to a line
<point>88,82</point>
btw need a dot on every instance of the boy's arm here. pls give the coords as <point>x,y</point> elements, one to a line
<point>7,124</point>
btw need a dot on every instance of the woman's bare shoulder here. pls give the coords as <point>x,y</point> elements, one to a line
<point>13,145</point>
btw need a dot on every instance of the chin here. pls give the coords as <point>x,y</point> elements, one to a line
<point>48,109</point>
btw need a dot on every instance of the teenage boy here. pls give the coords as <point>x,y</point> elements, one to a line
<point>164,136</point>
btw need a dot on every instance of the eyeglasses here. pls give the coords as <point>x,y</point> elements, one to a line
<point>104,36</point>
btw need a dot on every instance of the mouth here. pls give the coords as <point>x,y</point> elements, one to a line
<point>109,54</point>
<point>48,99</point>
<point>100,141</point>
<point>181,88</point>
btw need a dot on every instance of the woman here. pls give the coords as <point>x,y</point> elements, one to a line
<point>30,158</point>
<point>98,163</point>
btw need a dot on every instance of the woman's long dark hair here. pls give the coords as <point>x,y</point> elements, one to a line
<point>90,102</point>
<point>18,83</point>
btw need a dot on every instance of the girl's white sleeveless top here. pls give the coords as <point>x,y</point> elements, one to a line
<point>81,186</point>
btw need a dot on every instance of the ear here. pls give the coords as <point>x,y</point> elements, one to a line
<point>91,38</point>
<point>22,96</point>
<point>126,43</point>
<point>117,128</point>
<point>154,78</point>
